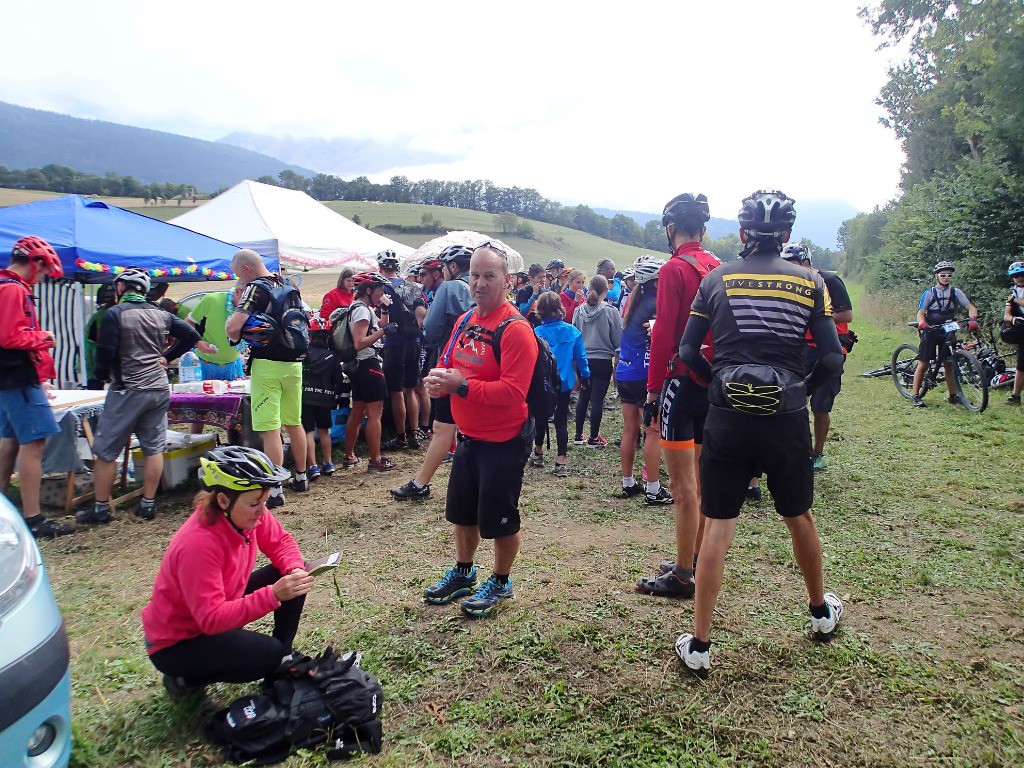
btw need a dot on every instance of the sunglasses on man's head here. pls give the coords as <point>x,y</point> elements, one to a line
<point>493,246</point>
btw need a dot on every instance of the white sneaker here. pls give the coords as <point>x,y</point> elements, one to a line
<point>823,628</point>
<point>698,663</point>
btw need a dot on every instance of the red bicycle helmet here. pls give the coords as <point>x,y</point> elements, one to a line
<point>317,323</point>
<point>364,280</point>
<point>36,249</point>
<point>432,264</point>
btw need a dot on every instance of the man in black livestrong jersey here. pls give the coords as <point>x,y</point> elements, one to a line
<point>758,309</point>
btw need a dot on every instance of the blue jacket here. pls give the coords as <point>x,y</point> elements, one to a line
<point>451,299</point>
<point>566,344</point>
<point>635,344</point>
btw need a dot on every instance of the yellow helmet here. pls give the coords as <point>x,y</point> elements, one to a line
<point>236,468</point>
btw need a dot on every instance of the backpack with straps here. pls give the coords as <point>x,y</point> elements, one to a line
<point>327,699</point>
<point>545,382</point>
<point>290,321</point>
<point>342,341</point>
<point>405,295</point>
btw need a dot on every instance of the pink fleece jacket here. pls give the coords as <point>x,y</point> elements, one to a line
<point>199,588</point>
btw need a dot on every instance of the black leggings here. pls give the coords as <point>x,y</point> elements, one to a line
<point>600,378</point>
<point>561,425</point>
<point>238,655</point>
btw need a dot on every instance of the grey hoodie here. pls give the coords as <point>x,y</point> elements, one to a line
<point>601,327</point>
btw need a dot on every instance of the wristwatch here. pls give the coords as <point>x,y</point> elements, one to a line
<point>463,389</point>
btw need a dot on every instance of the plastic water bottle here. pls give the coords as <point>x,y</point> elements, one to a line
<point>189,369</point>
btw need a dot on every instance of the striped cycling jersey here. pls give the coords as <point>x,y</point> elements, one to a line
<point>760,308</point>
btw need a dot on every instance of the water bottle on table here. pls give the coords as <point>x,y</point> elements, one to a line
<point>189,368</point>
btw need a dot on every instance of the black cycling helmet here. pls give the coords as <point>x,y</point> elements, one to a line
<point>767,214</point>
<point>691,212</point>
<point>796,253</point>
<point>236,469</point>
<point>457,254</point>
<point>555,264</point>
<point>943,266</point>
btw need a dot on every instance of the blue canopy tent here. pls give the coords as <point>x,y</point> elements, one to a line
<point>95,240</point>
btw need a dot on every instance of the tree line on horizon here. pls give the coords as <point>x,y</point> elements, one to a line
<point>68,181</point>
<point>957,104</point>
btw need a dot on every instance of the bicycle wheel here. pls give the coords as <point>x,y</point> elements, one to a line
<point>904,363</point>
<point>971,382</point>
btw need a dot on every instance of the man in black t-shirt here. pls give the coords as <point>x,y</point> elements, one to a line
<point>758,309</point>
<point>824,396</point>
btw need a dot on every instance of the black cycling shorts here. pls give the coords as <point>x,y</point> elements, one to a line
<point>930,342</point>
<point>632,392</point>
<point>484,486</point>
<point>402,366</point>
<point>684,407</point>
<point>316,417</point>
<point>737,447</point>
<point>442,409</point>
<point>368,385</point>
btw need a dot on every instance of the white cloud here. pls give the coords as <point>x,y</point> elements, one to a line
<point>618,106</point>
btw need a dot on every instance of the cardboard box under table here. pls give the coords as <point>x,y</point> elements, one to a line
<point>181,457</point>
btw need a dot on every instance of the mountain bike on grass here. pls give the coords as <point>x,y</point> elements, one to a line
<point>971,382</point>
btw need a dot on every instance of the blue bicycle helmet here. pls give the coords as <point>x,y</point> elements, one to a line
<point>258,330</point>
<point>1017,268</point>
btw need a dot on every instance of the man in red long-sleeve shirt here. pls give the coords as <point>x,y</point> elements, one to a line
<point>684,404</point>
<point>488,378</point>
<point>26,368</point>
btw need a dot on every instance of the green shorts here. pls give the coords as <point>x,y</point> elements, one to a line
<point>276,394</point>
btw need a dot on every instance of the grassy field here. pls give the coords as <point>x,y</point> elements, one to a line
<point>921,514</point>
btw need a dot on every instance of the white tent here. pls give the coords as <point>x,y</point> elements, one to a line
<point>431,248</point>
<point>287,224</point>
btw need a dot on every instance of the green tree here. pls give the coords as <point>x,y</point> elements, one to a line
<point>507,222</point>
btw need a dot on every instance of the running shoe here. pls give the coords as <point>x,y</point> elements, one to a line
<point>350,461</point>
<point>44,528</point>
<point>327,469</point>
<point>275,500</point>
<point>697,662</point>
<point>423,434</point>
<point>662,497</point>
<point>396,444</point>
<point>954,399</point>
<point>384,465</point>
<point>454,584</point>
<point>449,458</point>
<point>820,462</point>
<point>917,402</point>
<point>178,688</point>
<point>596,442</point>
<point>1013,400</point>
<point>824,628</point>
<point>579,440</point>
<point>99,514</point>
<point>560,471</point>
<point>300,486</point>
<point>413,442</point>
<point>536,460</point>
<point>628,491</point>
<point>754,492</point>
<point>146,509</point>
<point>487,598</point>
<point>411,491</point>
<point>666,585</point>
<point>313,472</point>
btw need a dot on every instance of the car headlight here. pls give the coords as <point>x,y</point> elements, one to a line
<point>18,563</point>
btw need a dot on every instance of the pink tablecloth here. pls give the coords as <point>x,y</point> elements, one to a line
<point>224,411</point>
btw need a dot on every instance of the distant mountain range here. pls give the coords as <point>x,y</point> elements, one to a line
<point>346,158</point>
<point>32,138</point>
<point>817,220</point>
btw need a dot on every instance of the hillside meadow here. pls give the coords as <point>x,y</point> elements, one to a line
<point>921,514</point>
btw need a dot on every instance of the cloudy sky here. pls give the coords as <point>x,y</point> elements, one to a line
<point>622,106</point>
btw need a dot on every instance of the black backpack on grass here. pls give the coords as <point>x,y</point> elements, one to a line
<point>327,699</point>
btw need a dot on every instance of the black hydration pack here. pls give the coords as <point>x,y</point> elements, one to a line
<point>327,699</point>
<point>289,320</point>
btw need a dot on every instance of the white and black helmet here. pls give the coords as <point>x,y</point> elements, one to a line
<point>387,259</point>
<point>459,254</point>
<point>943,266</point>
<point>139,278</point>
<point>796,253</point>
<point>646,268</point>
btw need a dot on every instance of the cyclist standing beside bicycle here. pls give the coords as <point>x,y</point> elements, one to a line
<point>938,306</point>
<point>1013,325</point>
